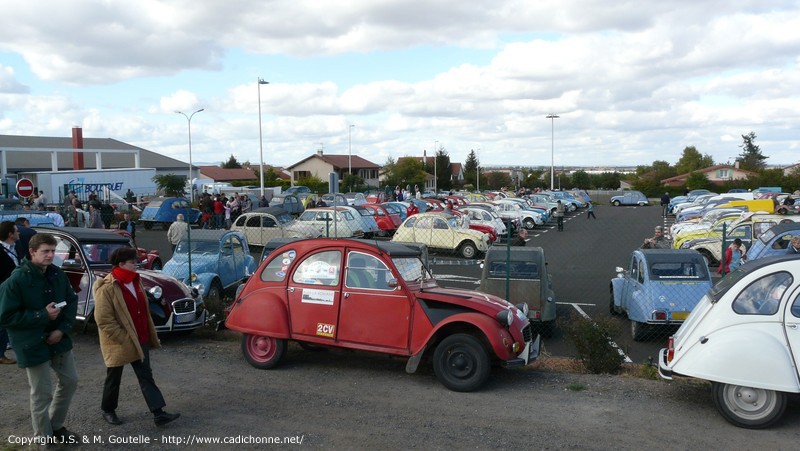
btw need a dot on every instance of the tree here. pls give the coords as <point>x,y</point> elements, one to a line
<point>471,168</point>
<point>497,179</point>
<point>407,171</point>
<point>314,183</point>
<point>172,185</point>
<point>352,182</point>
<point>691,160</point>
<point>231,163</point>
<point>751,158</point>
<point>698,180</point>
<point>580,179</point>
<point>443,170</point>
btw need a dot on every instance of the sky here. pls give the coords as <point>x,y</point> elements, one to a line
<point>631,82</point>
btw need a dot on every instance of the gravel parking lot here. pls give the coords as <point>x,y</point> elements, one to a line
<point>359,401</point>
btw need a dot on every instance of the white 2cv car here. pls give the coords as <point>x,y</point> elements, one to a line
<point>744,337</point>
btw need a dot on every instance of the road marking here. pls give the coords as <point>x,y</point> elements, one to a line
<point>612,343</point>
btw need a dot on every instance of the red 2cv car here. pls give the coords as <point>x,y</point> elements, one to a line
<point>379,297</point>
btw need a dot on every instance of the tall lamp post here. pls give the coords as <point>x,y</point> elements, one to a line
<point>191,196</point>
<point>435,175</point>
<point>552,118</point>
<point>260,138</point>
<point>350,155</point>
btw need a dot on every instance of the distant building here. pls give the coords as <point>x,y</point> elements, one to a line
<point>219,174</point>
<point>320,165</point>
<point>718,175</point>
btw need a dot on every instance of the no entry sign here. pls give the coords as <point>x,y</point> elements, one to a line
<point>25,187</point>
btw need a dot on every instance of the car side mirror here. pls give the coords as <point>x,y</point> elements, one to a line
<point>392,283</point>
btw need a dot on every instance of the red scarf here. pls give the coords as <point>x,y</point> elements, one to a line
<point>137,304</point>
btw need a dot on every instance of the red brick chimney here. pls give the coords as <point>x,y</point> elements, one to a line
<point>77,143</point>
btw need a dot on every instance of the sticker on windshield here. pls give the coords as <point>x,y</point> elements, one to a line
<point>323,297</point>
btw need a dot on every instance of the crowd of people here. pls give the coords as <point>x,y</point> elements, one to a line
<point>219,211</point>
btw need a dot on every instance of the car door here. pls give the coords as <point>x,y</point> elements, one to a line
<point>226,267</point>
<point>441,234</point>
<point>250,226</point>
<point>791,322</point>
<point>314,295</point>
<point>371,313</point>
<point>70,259</point>
<point>238,259</point>
<point>632,284</point>
<point>422,231</point>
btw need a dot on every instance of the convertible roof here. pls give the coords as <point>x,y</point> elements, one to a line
<point>85,234</point>
<point>671,255</point>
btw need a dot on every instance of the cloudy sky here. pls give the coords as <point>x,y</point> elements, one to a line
<point>631,81</point>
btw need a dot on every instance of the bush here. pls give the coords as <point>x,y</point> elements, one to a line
<point>593,341</point>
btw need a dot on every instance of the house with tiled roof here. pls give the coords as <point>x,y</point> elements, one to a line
<point>793,169</point>
<point>717,174</point>
<point>320,165</point>
<point>456,169</point>
<point>219,174</point>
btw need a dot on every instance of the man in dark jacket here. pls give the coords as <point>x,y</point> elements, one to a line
<point>25,234</point>
<point>40,329</point>
<point>9,235</point>
<point>127,224</point>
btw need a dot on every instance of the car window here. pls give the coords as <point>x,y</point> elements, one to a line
<point>763,296</point>
<point>634,269</point>
<point>640,271</point>
<point>517,269</point>
<point>796,306</point>
<point>410,268</point>
<point>366,271</point>
<point>66,250</point>
<point>252,221</point>
<point>761,227</point>
<point>99,253</point>
<point>424,223</point>
<point>410,222</point>
<point>782,242</point>
<point>439,223</point>
<point>742,232</point>
<point>322,268</point>
<point>678,271</point>
<point>237,245</point>
<point>276,269</point>
<point>266,221</point>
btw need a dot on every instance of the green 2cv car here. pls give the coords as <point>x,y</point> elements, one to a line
<point>379,297</point>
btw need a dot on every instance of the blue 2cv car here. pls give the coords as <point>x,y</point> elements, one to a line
<point>659,287</point>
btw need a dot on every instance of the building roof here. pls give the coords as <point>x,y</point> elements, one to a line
<point>37,160</point>
<point>219,174</point>
<point>682,177</point>
<point>340,161</point>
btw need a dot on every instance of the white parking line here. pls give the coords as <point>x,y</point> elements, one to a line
<point>612,343</point>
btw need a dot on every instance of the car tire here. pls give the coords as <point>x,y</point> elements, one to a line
<point>157,265</point>
<point>461,363</point>
<point>611,307</point>
<point>468,249</point>
<point>638,330</point>
<point>529,223</point>
<point>615,203</point>
<point>748,407</point>
<point>214,293</point>
<point>263,352</point>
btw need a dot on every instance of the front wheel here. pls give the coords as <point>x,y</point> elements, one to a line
<point>214,295</point>
<point>468,250</point>
<point>529,224</point>
<point>611,307</point>
<point>263,352</point>
<point>461,363</point>
<point>615,203</point>
<point>748,407</point>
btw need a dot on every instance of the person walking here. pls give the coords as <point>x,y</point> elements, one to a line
<point>559,214</point>
<point>590,210</point>
<point>521,239</point>
<point>95,220</point>
<point>177,230</point>
<point>9,260</point>
<point>29,312</point>
<point>664,204</point>
<point>127,334</point>
<point>127,224</point>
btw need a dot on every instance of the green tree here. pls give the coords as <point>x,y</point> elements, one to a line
<point>751,158</point>
<point>699,180</point>
<point>443,170</point>
<point>691,160</point>
<point>170,184</point>
<point>581,179</point>
<point>352,182</point>
<point>231,163</point>
<point>314,183</point>
<point>470,168</point>
<point>407,171</point>
<point>497,180</point>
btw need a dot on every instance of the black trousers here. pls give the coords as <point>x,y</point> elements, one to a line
<point>560,221</point>
<point>152,395</point>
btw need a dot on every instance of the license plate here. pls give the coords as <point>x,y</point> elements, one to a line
<point>182,318</point>
<point>679,316</point>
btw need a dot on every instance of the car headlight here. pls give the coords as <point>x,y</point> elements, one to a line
<point>156,292</point>
<point>199,287</point>
<point>505,317</point>
<point>523,308</point>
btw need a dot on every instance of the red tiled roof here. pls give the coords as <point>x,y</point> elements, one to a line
<point>219,174</point>
<point>341,161</point>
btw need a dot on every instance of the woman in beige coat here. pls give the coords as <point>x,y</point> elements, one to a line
<point>127,333</point>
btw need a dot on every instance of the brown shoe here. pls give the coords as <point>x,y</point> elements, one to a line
<point>7,360</point>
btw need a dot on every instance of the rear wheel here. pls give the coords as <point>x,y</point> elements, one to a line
<point>528,223</point>
<point>214,295</point>
<point>748,407</point>
<point>638,330</point>
<point>461,363</point>
<point>468,249</point>
<point>263,352</point>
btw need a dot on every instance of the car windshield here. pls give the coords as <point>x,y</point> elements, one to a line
<point>99,253</point>
<point>411,269</point>
<point>198,247</point>
<point>517,269</point>
<point>691,270</point>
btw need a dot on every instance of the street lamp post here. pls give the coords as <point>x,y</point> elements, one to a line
<point>191,197</point>
<point>350,155</point>
<point>260,138</point>
<point>552,118</point>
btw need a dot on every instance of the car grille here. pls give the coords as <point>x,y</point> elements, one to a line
<point>527,333</point>
<point>183,306</point>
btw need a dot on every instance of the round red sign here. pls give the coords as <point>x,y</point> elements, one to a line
<point>24,187</point>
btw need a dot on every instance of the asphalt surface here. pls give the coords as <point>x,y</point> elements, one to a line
<point>581,259</point>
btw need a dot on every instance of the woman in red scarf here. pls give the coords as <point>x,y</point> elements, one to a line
<point>127,333</point>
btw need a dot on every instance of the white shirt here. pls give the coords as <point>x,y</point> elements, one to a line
<point>11,252</point>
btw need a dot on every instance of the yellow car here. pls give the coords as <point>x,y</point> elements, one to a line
<point>444,232</point>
